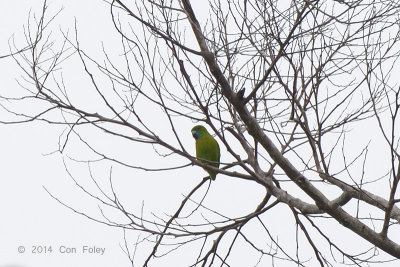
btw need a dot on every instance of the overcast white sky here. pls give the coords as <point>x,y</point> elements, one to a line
<point>29,217</point>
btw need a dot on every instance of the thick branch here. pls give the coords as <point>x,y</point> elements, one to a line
<point>254,130</point>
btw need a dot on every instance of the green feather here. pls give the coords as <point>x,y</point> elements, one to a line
<point>207,149</point>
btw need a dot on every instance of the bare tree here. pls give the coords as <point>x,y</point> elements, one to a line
<point>303,98</point>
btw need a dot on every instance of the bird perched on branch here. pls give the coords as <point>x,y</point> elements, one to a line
<point>207,149</point>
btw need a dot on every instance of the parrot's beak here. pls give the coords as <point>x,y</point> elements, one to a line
<point>195,134</point>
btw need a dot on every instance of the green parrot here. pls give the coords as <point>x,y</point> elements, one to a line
<point>207,149</point>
